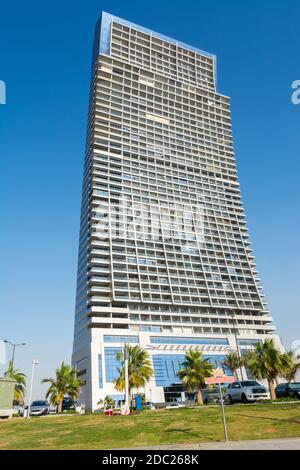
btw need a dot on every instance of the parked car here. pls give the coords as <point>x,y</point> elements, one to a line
<point>52,409</point>
<point>80,408</point>
<point>149,405</point>
<point>288,390</point>
<point>23,410</point>
<point>247,391</point>
<point>174,406</point>
<point>211,396</point>
<point>39,408</point>
<point>68,404</point>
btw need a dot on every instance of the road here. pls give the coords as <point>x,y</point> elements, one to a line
<point>261,444</point>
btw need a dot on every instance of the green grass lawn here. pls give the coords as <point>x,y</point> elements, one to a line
<point>190,425</point>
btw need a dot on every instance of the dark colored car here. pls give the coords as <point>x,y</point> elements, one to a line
<point>288,390</point>
<point>68,404</point>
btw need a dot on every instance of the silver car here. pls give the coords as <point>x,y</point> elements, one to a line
<point>247,391</point>
<point>211,395</point>
<point>39,408</point>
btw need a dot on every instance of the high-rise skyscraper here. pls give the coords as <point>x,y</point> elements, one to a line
<point>164,255</point>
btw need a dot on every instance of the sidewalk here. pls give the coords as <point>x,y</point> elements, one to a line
<point>262,444</point>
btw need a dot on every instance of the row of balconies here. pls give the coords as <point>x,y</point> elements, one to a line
<point>110,317</point>
<point>155,55</point>
<point>156,44</point>
<point>114,323</point>
<point>181,257</point>
<point>212,188</point>
<point>211,121</point>
<point>157,312</point>
<point>160,254</point>
<point>174,264</point>
<point>109,107</point>
<point>199,78</point>
<point>217,125</point>
<point>162,142</point>
<point>143,286</point>
<point>145,310</point>
<point>175,299</point>
<point>229,247</point>
<point>150,181</point>
<point>187,281</point>
<point>164,136</point>
<point>192,135</point>
<point>173,272</point>
<point>206,81</point>
<point>196,293</point>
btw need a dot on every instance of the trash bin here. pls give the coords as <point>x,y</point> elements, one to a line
<point>138,403</point>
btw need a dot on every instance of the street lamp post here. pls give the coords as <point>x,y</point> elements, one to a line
<point>14,346</point>
<point>34,363</point>
<point>127,404</point>
<point>235,326</point>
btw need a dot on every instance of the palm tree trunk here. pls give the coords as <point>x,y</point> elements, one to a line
<point>272,390</point>
<point>59,406</point>
<point>234,371</point>
<point>199,397</point>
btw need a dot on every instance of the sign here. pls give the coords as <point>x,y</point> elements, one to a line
<point>219,377</point>
<point>219,380</point>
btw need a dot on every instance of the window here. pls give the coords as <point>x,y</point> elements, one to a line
<point>166,367</point>
<point>182,340</point>
<point>100,374</point>
<point>235,385</point>
<point>111,363</point>
<point>120,339</point>
<point>248,342</point>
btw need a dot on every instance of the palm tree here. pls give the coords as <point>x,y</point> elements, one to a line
<point>64,383</point>
<point>265,362</point>
<point>139,369</point>
<point>20,380</point>
<point>193,372</point>
<point>106,402</point>
<point>289,366</point>
<point>233,362</point>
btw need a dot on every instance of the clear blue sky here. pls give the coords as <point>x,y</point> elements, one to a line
<point>45,54</point>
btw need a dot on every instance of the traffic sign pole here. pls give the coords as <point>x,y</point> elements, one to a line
<point>219,377</point>
<point>223,414</point>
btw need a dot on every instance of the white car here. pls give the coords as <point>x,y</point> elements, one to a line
<point>174,406</point>
<point>149,405</point>
<point>247,391</point>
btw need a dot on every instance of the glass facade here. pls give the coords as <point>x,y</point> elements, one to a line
<point>248,342</point>
<point>111,363</point>
<point>166,367</point>
<point>100,371</point>
<point>117,398</point>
